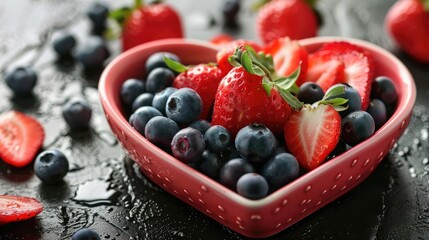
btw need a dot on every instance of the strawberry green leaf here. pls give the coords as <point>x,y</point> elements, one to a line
<point>175,66</point>
<point>246,62</point>
<point>267,85</point>
<point>288,81</point>
<point>340,108</point>
<point>426,5</point>
<point>334,101</point>
<point>335,91</point>
<point>120,14</point>
<point>233,61</point>
<point>291,99</point>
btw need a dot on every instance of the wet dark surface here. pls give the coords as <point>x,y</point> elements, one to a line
<point>105,190</point>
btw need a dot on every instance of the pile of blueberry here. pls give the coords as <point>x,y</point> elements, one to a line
<point>253,165</point>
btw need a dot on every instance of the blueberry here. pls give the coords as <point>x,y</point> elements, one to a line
<point>232,170</point>
<point>356,127</point>
<point>160,99</point>
<point>256,143</point>
<point>21,80</point>
<point>310,92</point>
<point>384,89</point>
<point>340,148</point>
<point>141,117</point>
<point>131,89</point>
<point>184,106</point>
<point>217,138</point>
<point>51,166</point>
<point>209,164</point>
<point>144,99</point>
<point>85,234</point>
<point>98,14</point>
<point>200,125</point>
<point>160,131</point>
<point>64,44</point>
<point>252,186</point>
<point>354,102</point>
<point>156,60</point>
<point>77,113</point>
<point>159,79</point>
<point>377,110</point>
<point>280,170</point>
<point>92,53</point>
<point>188,145</point>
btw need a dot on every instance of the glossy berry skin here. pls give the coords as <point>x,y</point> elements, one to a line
<point>204,79</point>
<point>232,170</point>
<point>292,18</point>
<point>64,44</point>
<point>160,99</point>
<point>378,112</point>
<point>188,145</point>
<point>156,60</point>
<point>201,125</point>
<point>160,131</point>
<point>256,143</point>
<point>217,138</point>
<point>92,53</point>
<point>159,79</point>
<point>310,92</point>
<point>151,22</point>
<point>354,100</point>
<point>77,113</point>
<point>141,117</point>
<point>21,80</point>
<point>280,170</point>
<point>51,166</point>
<point>85,234</point>
<point>184,106</point>
<point>131,89</point>
<point>144,99</point>
<point>241,100</point>
<point>252,186</point>
<point>98,14</point>
<point>383,89</point>
<point>356,127</point>
<point>210,164</point>
<point>407,23</point>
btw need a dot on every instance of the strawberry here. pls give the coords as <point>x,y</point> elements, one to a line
<point>150,22</point>
<point>221,39</point>
<point>312,133</point>
<point>203,78</point>
<point>14,208</point>
<point>228,49</point>
<point>287,56</point>
<point>249,93</point>
<point>407,21</point>
<point>286,18</point>
<point>324,69</point>
<point>21,137</point>
<point>358,67</point>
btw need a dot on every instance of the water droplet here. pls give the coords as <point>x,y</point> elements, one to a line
<point>95,192</point>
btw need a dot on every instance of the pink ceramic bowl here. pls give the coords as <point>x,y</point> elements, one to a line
<point>281,209</point>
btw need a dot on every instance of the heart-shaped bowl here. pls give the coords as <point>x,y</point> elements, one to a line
<point>281,209</point>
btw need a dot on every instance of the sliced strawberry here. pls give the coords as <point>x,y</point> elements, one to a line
<point>204,79</point>
<point>312,133</point>
<point>21,136</point>
<point>221,39</point>
<point>288,55</point>
<point>325,69</point>
<point>14,208</point>
<point>229,49</point>
<point>358,67</point>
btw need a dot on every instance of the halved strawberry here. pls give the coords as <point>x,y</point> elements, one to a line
<point>288,55</point>
<point>324,69</point>
<point>312,133</point>
<point>228,49</point>
<point>358,67</point>
<point>21,136</point>
<point>15,208</point>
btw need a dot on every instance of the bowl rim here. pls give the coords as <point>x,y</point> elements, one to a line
<point>409,95</point>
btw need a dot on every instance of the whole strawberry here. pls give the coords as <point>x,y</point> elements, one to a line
<point>251,93</point>
<point>150,22</point>
<point>408,23</point>
<point>286,18</point>
<point>203,78</point>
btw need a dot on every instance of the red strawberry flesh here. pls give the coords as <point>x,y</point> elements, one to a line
<point>14,208</point>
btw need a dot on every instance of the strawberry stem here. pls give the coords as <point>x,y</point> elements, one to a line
<point>175,66</point>
<point>138,4</point>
